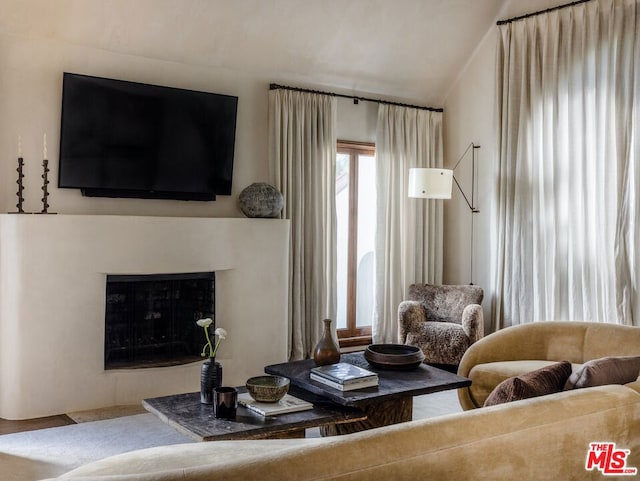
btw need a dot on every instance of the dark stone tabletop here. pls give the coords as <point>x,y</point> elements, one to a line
<point>185,413</point>
<point>393,384</point>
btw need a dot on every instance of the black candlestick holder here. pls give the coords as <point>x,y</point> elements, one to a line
<point>20,192</point>
<point>45,188</point>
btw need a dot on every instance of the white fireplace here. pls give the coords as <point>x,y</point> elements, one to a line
<point>53,272</point>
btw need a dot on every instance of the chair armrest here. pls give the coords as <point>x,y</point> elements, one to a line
<point>473,322</point>
<point>411,314</point>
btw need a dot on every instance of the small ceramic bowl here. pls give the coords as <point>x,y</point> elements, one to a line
<point>267,389</point>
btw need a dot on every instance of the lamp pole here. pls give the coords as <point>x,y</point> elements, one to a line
<point>474,209</point>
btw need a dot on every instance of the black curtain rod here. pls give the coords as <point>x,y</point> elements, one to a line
<point>559,7</point>
<point>355,99</point>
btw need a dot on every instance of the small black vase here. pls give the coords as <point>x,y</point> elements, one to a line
<point>210,378</point>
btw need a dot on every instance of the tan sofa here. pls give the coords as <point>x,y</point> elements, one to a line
<point>527,347</point>
<point>533,439</point>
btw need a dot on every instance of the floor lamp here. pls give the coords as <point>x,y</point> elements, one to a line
<point>431,183</point>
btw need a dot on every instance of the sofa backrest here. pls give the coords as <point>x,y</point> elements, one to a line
<point>602,340</point>
<point>574,341</point>
<point>445,303</point>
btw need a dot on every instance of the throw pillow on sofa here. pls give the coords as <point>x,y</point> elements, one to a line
<point>606,370</point>
<point>548,380</point>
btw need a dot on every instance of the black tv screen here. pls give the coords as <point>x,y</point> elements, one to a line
<point>127,139</point>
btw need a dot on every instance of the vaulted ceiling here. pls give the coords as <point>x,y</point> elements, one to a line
<point>404,49</point>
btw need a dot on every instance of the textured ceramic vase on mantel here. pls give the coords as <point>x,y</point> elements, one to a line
<point>326,351</point>
<point>210,378</point>
<point>261,200</point>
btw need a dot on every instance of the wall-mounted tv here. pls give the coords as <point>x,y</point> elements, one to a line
<point>127,139</point>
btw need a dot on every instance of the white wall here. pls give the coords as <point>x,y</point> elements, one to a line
<point>31,86</point>
<point>469,116</point>
<point>357,122</point>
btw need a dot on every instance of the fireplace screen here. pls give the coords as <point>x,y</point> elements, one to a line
<point>150,320</point>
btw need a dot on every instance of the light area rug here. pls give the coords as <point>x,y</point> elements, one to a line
<point>46,453</point>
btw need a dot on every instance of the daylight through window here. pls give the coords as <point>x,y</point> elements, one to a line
<point>356,216</point>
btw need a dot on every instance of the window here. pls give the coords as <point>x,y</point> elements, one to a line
<point>356,218</point>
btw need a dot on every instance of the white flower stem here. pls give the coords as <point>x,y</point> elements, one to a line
<point>212,353</point>
<point>216,348</point>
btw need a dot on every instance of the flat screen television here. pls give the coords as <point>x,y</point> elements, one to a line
<point>127,139</point>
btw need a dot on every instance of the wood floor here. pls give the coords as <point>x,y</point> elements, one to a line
<point>8,427</point>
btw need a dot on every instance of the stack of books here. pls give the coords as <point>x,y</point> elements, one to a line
<point>344,377</point>
<point>288,404</point>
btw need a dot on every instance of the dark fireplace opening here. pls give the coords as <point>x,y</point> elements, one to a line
<point>150,320</point>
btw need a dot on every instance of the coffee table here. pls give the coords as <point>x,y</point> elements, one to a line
<point>185,413</point>
<point>390,402</point>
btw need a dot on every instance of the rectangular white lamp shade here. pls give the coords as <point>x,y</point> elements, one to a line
<point>430,183</point>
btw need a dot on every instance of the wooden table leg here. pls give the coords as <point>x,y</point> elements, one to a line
<point>379,413</point>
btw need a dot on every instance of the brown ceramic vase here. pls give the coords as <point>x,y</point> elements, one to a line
<point>326,351</point>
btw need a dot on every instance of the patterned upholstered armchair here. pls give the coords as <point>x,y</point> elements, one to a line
<point>442,320</point>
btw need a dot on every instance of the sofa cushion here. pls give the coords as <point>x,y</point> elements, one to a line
<point>547,380</point>
<point>606,370</point>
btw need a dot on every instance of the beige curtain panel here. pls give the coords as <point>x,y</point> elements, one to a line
<point>568,93</point>
<point>409,231</point>
<point>302,153</point>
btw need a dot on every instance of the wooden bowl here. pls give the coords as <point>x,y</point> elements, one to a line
<point>267,389</point>
<point>394,356</point>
